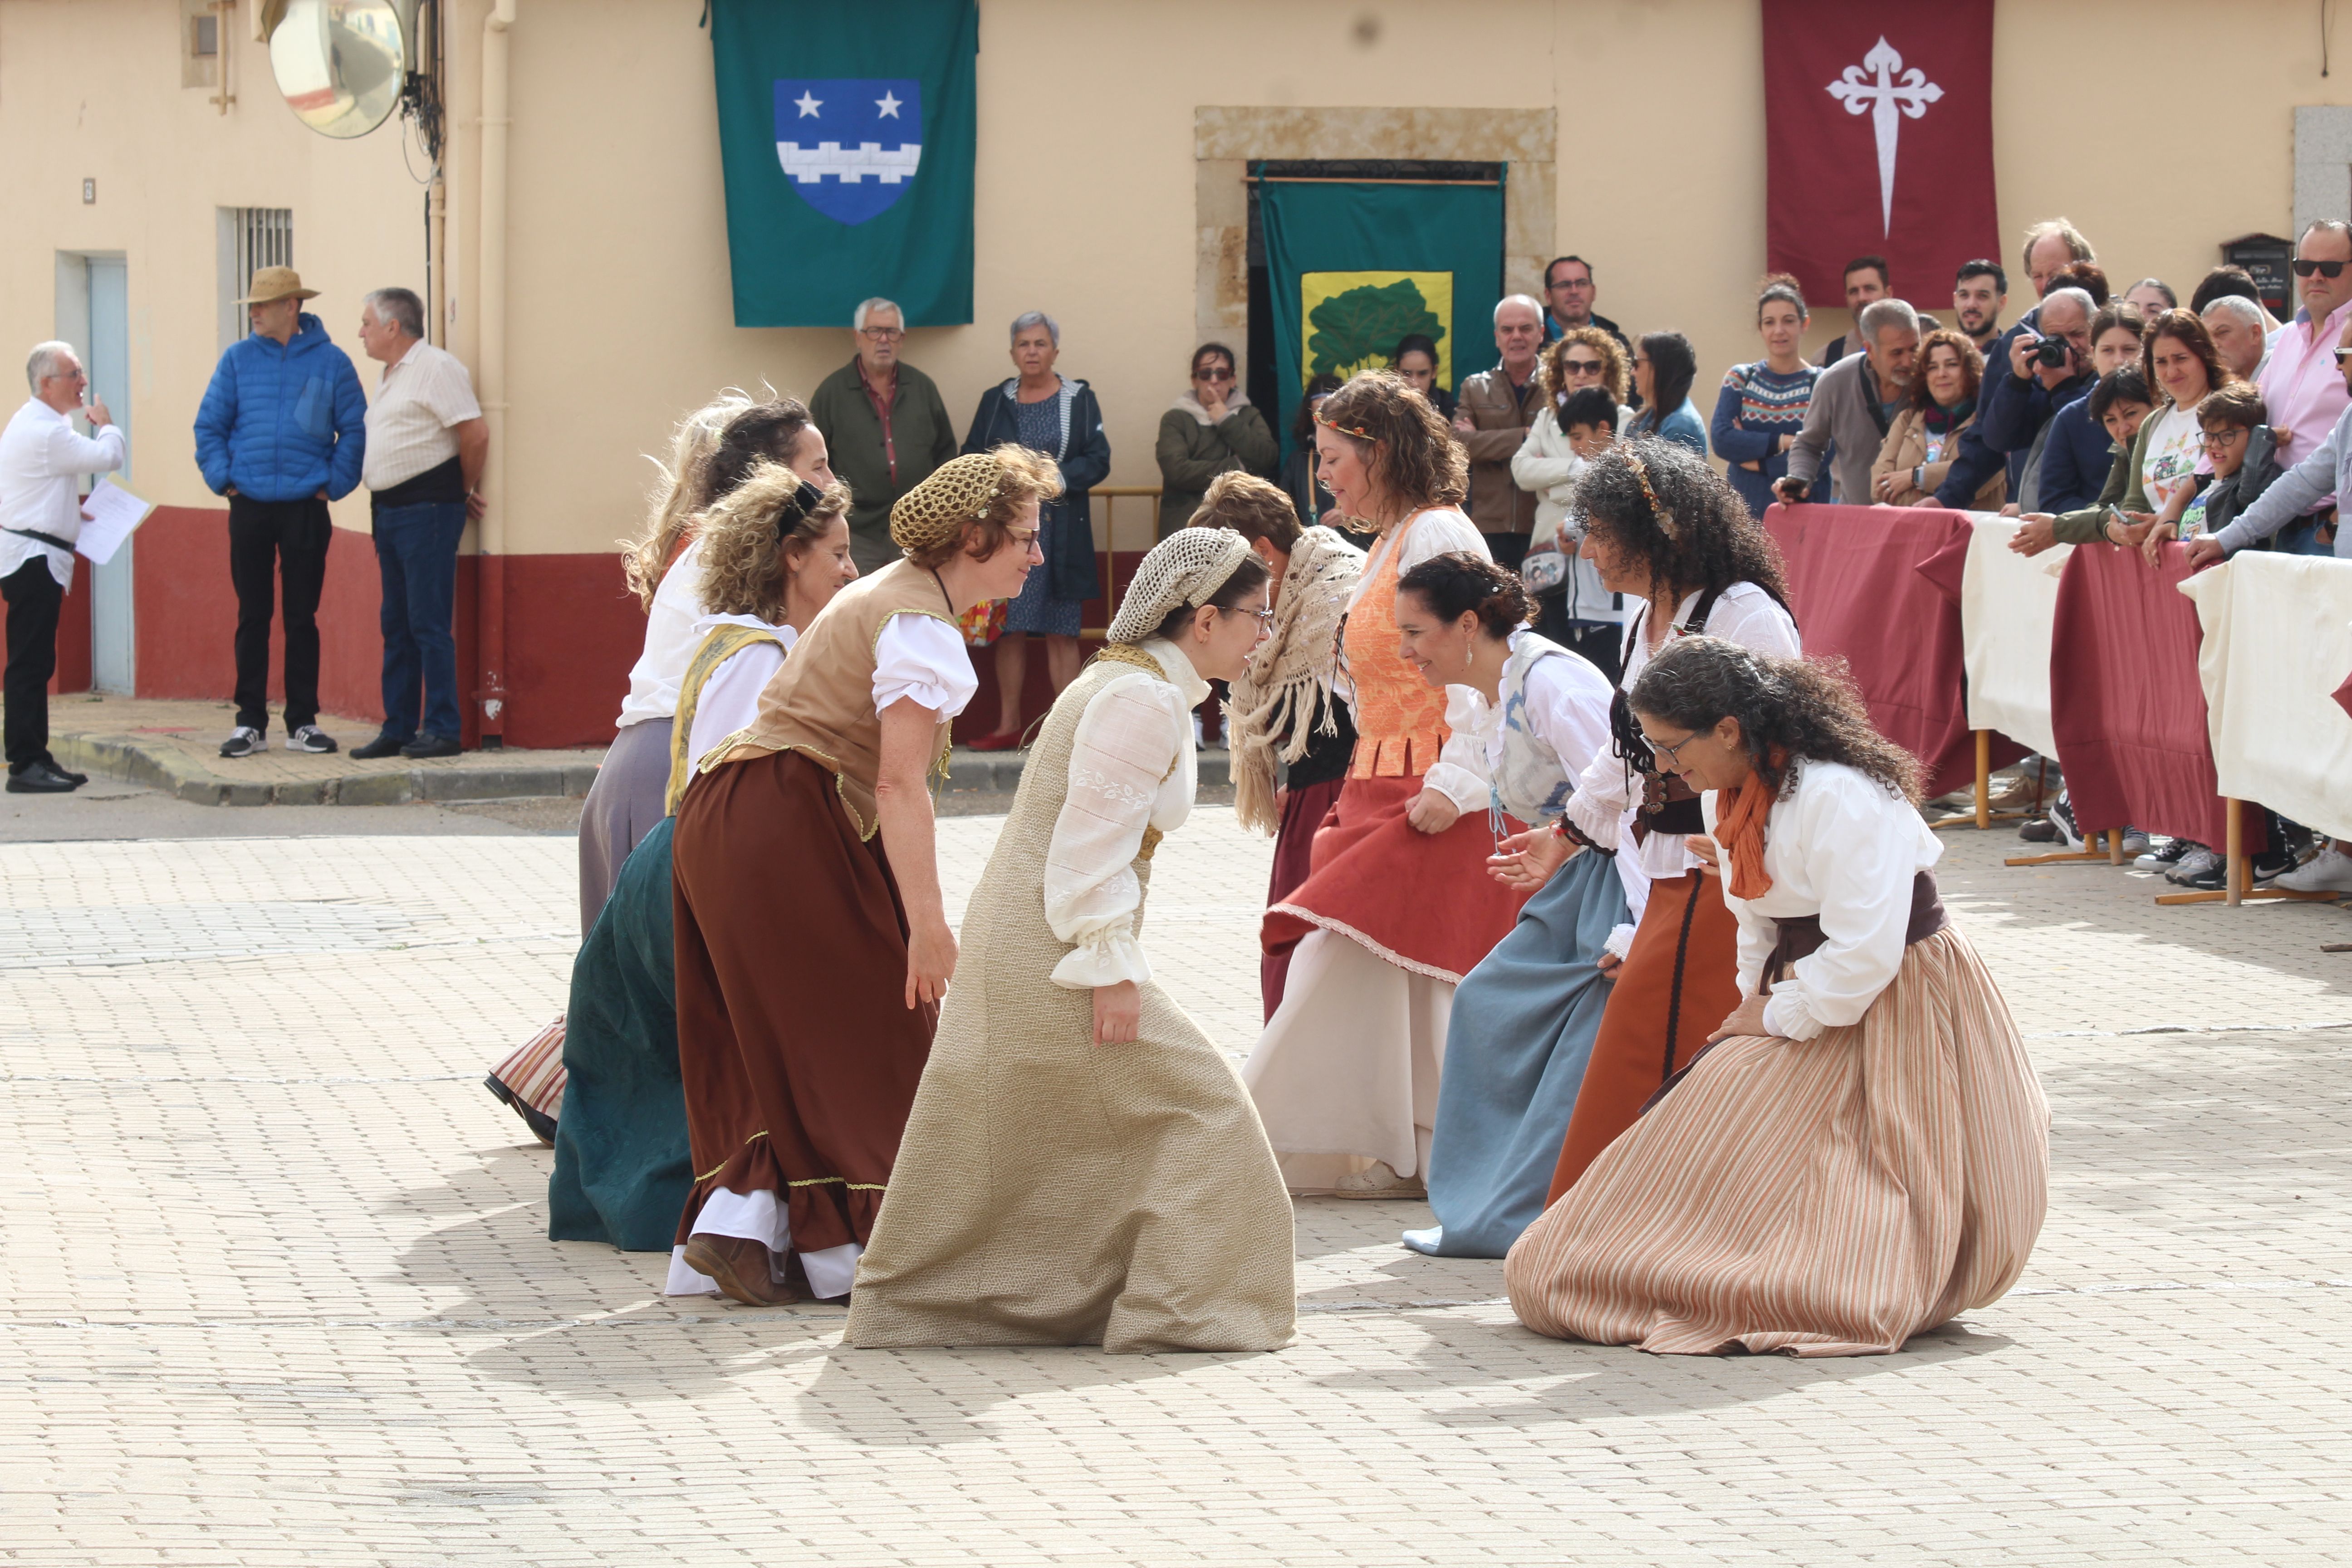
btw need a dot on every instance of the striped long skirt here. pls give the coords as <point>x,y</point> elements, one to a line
<point>1831,1196</point>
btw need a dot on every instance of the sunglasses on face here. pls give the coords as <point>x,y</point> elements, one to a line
<point>2325,269</point>
<point>1215,372</point>
<point>2343,355</point>
<point>1581,366</point>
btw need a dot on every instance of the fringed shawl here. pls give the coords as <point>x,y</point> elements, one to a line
<point>1286,691</point>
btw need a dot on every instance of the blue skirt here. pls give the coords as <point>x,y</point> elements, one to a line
<point>622,1162</point>
<point>1516,1051</point>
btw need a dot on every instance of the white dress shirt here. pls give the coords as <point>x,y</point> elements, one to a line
<point>1845,847</point>
<point>40,458</point>
<point>418,399</point>
<point>1132,767</point>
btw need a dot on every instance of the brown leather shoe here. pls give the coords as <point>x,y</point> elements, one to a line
<point>740,1266</point>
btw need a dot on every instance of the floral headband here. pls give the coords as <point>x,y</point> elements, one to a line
<point>1358,431</point>
<point>1666,524</point>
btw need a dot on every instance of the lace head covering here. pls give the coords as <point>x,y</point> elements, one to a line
<point>958,491</point>
<point>1182,569</point>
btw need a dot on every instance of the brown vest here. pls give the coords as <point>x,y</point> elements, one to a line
<point>822,702</point>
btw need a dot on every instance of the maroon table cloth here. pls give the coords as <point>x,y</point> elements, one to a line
<point>2125,703</point>
<point>1857,589</point>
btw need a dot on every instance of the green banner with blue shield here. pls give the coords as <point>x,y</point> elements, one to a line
<point>846,133</point>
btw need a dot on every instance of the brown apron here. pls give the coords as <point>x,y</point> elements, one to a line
<point>1801,935</point>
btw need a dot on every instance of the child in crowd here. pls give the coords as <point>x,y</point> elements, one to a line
<point>2245,458</point>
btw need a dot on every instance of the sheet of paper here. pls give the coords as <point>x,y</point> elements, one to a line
<point>109,515</point>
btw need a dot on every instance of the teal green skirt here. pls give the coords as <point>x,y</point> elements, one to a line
<point>622,1163</point>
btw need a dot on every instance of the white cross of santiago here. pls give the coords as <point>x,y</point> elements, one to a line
<point>1888,98</point>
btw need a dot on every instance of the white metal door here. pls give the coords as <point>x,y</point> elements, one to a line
<point>114,646</point>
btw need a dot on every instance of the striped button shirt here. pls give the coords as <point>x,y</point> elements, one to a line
<point>417,400</point>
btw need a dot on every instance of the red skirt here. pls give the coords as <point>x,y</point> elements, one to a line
<point>799,1055</point>
<point>1304,811</point>
<point>1423,902</point>
<point>1679,982</point>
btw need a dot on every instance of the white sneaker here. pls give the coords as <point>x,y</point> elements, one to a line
<point>2166,859</point>
<point>1379,1180</point>
<point>2193,865</point>
<point>245,740</point>
<point>2329,871</point>
<point>311,737</point>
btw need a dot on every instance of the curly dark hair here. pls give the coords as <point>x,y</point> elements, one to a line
<point>1407,443</point>
<point>1791,710</point>
<point>1457,582</point>
<point>1715,544</point>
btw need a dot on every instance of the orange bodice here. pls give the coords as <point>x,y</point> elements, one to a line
<point>1399,718</point>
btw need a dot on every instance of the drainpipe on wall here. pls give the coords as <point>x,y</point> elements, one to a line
<point>491,607</point>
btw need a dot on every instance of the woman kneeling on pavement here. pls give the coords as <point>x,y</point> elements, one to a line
<point>1082,1166</point>
<point>1670,534</point>
<point>1863,1150</point>
<point>1528,717</point>
<point>798,934</point>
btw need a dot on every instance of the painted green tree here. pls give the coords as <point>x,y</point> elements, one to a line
<point>1358,329</point>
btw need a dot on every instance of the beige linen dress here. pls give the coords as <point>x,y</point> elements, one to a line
<point>1048,1190</point>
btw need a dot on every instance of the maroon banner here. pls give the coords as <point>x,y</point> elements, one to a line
<point>1863,585</point>
<point>2126,704</point>
<point>1878,141</point>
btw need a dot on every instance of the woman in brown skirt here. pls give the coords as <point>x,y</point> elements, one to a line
<point>1666,530</point>
<point>1862,1150</point>
<point>812,956</point>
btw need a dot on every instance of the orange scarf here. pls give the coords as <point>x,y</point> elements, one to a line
<point>1739,832</point>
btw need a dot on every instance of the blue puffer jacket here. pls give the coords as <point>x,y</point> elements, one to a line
<point>282,421</point>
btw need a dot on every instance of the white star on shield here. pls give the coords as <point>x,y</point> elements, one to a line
<point>808,103</point>
<point>889,104</point>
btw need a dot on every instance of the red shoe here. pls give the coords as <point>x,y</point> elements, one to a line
<point>1005,742</point>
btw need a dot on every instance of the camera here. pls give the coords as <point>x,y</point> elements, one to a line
<point>2051,352</point>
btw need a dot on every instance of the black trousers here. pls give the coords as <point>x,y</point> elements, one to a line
<point>33,597</point>
<point>270,541</point>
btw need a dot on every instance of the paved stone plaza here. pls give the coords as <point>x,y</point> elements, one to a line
<point>276,1289</point>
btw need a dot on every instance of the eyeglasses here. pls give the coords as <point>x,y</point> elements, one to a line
<point>2221,440</point>
<point>1265,617</point>
<point>1219,374</point>
<point>2325,269</point>
<point>1581,366</point>
<point>1021,535</point>
<point>1671,754</point>
<point>882,334</point>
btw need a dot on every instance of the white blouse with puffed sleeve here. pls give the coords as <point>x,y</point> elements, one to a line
<point>1132,767</point>
<point>924,658</point>
<point>1845,847</point>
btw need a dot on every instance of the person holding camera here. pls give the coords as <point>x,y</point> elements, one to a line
<point>2048,366</point>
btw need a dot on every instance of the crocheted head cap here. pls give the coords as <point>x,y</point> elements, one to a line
<point>1182,569</point>
<point>958,491</point>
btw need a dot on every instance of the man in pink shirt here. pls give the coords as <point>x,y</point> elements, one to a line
<point>2302,387</point>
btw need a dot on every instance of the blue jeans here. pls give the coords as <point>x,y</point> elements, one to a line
<point>417,552</point>
<point>2301,537</point>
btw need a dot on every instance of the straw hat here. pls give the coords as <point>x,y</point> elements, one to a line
<point>272,283</point>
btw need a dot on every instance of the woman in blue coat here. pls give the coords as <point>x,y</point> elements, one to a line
<point>1045,412</point>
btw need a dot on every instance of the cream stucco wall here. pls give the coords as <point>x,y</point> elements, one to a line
<point>1088,202</point>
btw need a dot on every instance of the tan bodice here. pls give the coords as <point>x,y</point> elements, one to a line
<point>822,702</point>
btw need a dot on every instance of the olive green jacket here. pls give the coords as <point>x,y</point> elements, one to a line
<point>1192,451</point>
<point>920,431</point>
